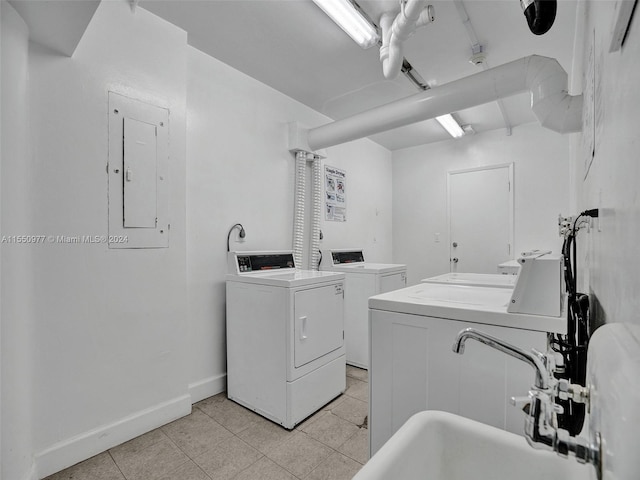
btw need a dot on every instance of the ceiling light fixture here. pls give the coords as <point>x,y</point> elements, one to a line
<point>350,19</point>
<point>450,125</point>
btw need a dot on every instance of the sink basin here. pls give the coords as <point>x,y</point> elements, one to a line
<point>435,445</point>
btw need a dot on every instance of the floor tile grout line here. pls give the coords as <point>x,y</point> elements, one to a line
<point>252,463</point>
<point>116,464</point>
<point>267,455</point>
<point>209,449</point>
<point>160,429</point>
<point>323,460</point>
<point>109,451</point>
<point>185,454</point>
<point>203,472</point>
<point>239,431</point>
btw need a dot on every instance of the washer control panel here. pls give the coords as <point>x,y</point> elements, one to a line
<point>246,262</point>
<point>355,256</point>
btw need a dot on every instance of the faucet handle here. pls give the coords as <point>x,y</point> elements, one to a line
<point>523,403</point>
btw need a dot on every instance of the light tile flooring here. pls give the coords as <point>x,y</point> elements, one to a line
<point>222,440</point>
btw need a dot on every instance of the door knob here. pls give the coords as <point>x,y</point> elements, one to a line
<point>455,244</point>
<point>454,259</point>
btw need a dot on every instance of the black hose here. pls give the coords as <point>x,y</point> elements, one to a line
<point>574,347</point>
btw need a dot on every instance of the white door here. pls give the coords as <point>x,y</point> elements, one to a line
<point>480,218</point>
<point>319,322</point>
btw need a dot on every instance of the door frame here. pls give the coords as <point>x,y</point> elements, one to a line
<point>510,166</point>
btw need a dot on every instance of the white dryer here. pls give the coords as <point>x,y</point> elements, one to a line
<point>285,336</point>
<point>363,280</point>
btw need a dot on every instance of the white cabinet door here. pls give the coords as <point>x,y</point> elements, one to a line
<point>319,322</point>
<point>414,368</point>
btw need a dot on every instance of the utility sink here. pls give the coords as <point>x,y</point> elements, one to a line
<point>435,445</point>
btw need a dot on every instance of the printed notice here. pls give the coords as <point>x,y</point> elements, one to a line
<point>335,190</point>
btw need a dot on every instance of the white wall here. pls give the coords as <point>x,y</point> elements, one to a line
<point>610,260</point>
<point>16,282</point>
<point>541,159</point>
<point>98,345</point>
<point>110,326</point>
<point>239,170</point>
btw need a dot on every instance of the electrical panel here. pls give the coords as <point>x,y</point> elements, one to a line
<point>137,173</point>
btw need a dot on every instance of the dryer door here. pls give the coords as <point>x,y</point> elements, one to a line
<point>319,322</point>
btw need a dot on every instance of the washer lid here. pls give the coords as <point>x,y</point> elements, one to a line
<point>287,278</point>
<point>371,268</point>
<point>486,305</point>
<point>352,261</point>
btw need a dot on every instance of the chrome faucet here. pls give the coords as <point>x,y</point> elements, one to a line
<point>540,427</point>
<point>535,358</point>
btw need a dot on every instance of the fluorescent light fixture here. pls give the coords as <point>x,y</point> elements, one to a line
<point>349,19</point>
<point>450,125</point>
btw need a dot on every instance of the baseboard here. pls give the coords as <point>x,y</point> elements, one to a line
<point>76,449</point>
<point>32,474</point>
<point>208,387</point>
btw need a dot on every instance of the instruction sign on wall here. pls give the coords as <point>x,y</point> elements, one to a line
<point>335,194</point>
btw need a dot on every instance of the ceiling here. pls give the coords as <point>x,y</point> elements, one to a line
<point>292,46</point>
<point>58,24</point>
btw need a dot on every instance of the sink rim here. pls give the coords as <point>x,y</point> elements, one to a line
<point>441,427</point>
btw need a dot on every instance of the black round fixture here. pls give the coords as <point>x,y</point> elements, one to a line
<point>540,14</point>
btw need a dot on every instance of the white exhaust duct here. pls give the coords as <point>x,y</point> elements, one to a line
<point>299,203</point>
<point>542,76</point>
<point>300,213</point>
<point>316,213</point>
<point>395,30</point>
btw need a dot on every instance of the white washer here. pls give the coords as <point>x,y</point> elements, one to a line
<point>285,336</point>
<point>363,280</point>
<point>413,367</point>
<point>495,280</point>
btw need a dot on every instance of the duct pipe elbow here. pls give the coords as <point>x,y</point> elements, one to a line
<point>561,113</point>
<point>550,101</point>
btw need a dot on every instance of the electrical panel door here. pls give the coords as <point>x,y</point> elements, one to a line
<point>140,179</point>
<point>137,173</point>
